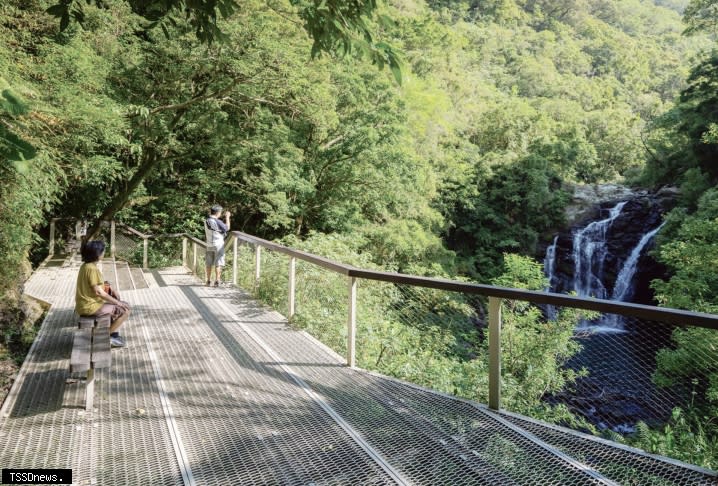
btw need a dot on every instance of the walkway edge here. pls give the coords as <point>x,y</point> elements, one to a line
<point>26,363</point>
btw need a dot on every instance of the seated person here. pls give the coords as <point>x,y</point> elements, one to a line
<point>91,299</point>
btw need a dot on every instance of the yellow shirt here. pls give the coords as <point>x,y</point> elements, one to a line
<point>87,302</point>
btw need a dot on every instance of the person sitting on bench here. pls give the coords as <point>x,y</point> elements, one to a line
<point>91,299</point>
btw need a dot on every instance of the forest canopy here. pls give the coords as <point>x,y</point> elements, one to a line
<point>437,137</point>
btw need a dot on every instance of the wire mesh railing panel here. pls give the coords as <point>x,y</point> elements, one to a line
<point>196,259</point>
<point>625,378</point>
<point>228,260</point>
<point>164,251</point>
<point>245,266</point>
<point>322,305</point>
<point>430,337</point>
<point>273,284</point>
<point>320,298</point>
<point>128,247</point>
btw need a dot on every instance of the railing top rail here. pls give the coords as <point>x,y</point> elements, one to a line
<point>133,231</point>
<point>662,314</point>
<point>302,255</point>
<point>194,240</point>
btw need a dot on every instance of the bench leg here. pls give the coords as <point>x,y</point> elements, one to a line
<point>90,390</point>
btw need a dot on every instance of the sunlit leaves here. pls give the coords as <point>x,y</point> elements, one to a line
<point>701,16</point>
<point>13,148</point>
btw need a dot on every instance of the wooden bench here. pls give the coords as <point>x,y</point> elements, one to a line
<point>91,351</point>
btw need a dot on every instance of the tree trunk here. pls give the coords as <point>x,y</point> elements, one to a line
<point>150,159</point>
<point>120,200</point>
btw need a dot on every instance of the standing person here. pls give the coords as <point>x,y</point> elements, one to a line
<point>215,231</point>
<point>91,299</point>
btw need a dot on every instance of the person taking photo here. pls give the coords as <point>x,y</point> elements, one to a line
<point>215,232</point>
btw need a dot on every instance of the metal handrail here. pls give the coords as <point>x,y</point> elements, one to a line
<point>495,298</point>
<point>337,267</point>
<point>495,295</point>
<point>668,315</point>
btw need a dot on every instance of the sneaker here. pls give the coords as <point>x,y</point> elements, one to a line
<point>117,342</point>
<point>216,283</point>
<point>209,284</point>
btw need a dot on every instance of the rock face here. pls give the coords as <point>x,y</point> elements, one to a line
<point>587,199</point>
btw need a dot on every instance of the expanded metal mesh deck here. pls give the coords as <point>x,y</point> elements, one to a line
<point>215,389</point>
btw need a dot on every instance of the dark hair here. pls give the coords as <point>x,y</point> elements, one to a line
<point>216,209</point>
<point>92,251</point>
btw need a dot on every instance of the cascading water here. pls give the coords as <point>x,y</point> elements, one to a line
<point>622,289</point>
<point>607,259</point>
<point>549,265</point>
<point>549,262</point>
<point>589,254</point>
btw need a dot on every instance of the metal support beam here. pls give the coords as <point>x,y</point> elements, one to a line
<point>494,353</point>
<point>292,286</point>
<point>112,239</point>
<point>51,246</point>
<point>235,256</point>
<point>145,251</point>
<point>184,252</point>
<point>257,264</point>
<point>352,322</point>
<point>194,258</point>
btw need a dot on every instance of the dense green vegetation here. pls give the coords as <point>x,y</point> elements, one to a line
<point>109,109</point>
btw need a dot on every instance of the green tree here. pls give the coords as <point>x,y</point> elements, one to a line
<point>701,16</point>
<point>334,25</point>
<point>509,212</point>
<point>690,252</point>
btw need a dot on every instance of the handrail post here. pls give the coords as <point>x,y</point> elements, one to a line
<point>494,353</point>
<point>194,258</point>
<point>292,286</point>
<point>51,246</point>
<point>184,251</point>
<point>145,248</point>
<point>257,264</point>
<point>235,254</point>
<point>112,239</point>
<point>352,322</point>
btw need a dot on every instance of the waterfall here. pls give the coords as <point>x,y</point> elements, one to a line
<point>607,259</point>
<point>589,253</point>
<point>604,255</point>
<point>623,288</point>
<point>549,262</point>
<point>549,265</point>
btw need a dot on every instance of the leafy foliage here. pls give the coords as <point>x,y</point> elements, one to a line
<point>507,212</point>
<point>336,26</point>
<point>153,111</point>
<point>12,147</point>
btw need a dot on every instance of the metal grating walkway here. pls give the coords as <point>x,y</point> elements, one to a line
<point>214,389</point>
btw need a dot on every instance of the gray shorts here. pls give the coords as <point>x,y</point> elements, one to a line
<point>214,256</point>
